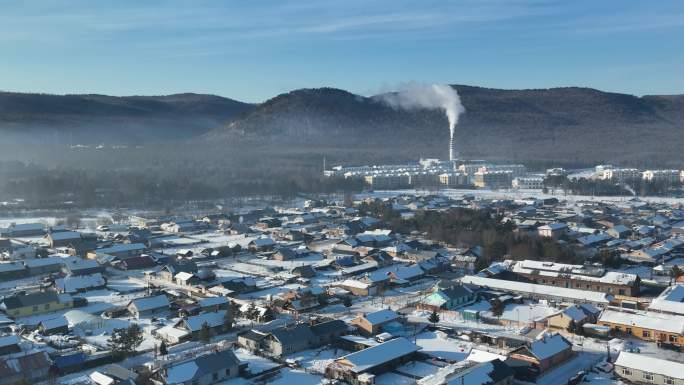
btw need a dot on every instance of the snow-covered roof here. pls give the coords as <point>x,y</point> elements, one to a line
<point>149,303</point>
<point>541,290</point>
<point>647,320</point>
<point>371,357</point>
<point>214,319</point>
<point>122,247</point>
<point>549,346</point>
<point>381,316</point>
<point>74,283</point>
<point>184,276</point>
<point>670,301</point>
<point>213,301</point>
<point>650,364</point>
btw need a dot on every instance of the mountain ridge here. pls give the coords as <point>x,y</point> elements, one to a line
<point>567,124</point>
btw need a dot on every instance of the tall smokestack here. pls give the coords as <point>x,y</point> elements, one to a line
<point>452,154</point>
<point>437,96</point>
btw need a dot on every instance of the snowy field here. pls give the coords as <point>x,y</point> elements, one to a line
<point>515,194</point>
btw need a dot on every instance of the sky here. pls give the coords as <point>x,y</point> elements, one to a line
<point>252,50</point>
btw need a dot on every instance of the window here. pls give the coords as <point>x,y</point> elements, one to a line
<point>626,372</point>
<point>668,381</point>
<point>47,306</point>
<point>621,291</point>
<point>645,333</point>
<point>214,376</point>
<point>648,376</point>
<point>228,372</point>
<point>672,338</point>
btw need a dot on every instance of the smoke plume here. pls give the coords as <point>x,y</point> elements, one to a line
<point>432,96</point>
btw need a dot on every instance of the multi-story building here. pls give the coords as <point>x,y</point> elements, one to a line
<point>493,179</point>
<point>619,174</point>
<point>528,182</point>
<point>670,176</point>
<point>578,277</point>
<point>517,170</point>
<point>453,179</point>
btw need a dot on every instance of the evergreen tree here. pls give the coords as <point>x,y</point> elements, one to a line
<point>434,317</point>
<point>124,341</point>
<point>163,350</point>
<point>205,333</point>
<point>497,307</point>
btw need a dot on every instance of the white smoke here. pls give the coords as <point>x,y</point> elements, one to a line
<point>433,96</point>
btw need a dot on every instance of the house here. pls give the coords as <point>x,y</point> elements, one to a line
<point>360,368</point>
<point>121,251</point>
<point>584,277</point>
<point>671,301</point>
<point>328,331</point>
<point>31,368</point>
<point>35,303</point>
<point>406,274</point>
<point>288,340</point>
<point>113,374</point>
<point>619,232</point>
<point>23,230</point>
<point>553,230</point>
<point>261,244</point>
<point>168,272</point>
<point>304,271</point>
<point>251,340</point>
<point>646,369</point>
<point>357,287</point>
<point>207,369</point>
<point>576,315</point>
<point>371,323</point>
<point>58,325</point>
<point>664,329</point>
<point>149,307</point>
<point>217,322</point>
<point>135,263</point>
<point>40,266</point>
<point>79,283</point>
<point>545,353</point>
<point>80,266</point>
<point>448,296</point>
<point>214,303</point>
<point>186,279</point>
<point>10,344</point>
<point>12,270</point>
<point>80,242</point>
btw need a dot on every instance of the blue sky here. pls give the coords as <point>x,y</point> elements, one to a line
<point>252,50</point>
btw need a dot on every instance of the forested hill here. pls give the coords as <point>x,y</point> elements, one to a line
<point>560,125</point>
<point>86,119</point>
<point>572,125</point>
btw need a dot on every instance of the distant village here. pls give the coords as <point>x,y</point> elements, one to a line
<point>327,294</point>
<point>428,173</point>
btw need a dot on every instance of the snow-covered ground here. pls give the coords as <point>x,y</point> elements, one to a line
<point>315,360</point>
<point>256,363</point>
<point>438,345</point>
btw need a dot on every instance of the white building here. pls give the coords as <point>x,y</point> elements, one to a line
<point>529,182</point>
<point>646,369</point>
<point>670,176</point>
